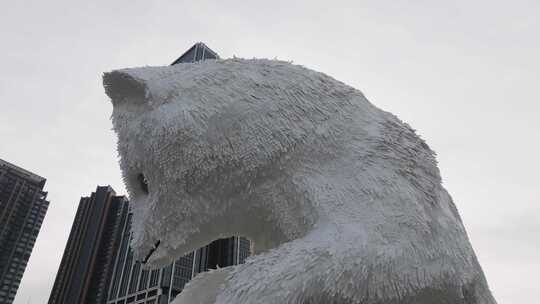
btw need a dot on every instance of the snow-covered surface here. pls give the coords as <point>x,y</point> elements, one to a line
<point>342,201</point>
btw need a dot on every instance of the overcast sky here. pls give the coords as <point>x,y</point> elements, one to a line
<point>464,74</point>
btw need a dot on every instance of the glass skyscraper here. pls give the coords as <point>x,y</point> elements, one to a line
<point>23,206</point>
<point>98,265</point>
<point>198,52</point>
<point>88,259</point>
<point>132,284</point>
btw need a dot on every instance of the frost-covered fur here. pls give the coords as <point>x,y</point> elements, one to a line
<point>342,201</point>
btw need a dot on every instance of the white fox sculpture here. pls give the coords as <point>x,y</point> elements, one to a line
<point>342,201</point>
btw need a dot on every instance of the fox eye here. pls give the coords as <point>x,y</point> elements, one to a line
<point>143,183</point>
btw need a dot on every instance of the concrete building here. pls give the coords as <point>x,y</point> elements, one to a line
<point>23,206</point>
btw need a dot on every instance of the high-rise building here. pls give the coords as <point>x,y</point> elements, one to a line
<point>88,260</point>
<point>198,52</point>
<point>23,206</point>
<point>98,265</point>
<point>133,284</point>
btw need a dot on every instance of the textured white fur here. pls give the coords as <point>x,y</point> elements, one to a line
<point>342,201</point>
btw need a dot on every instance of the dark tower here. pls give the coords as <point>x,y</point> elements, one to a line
<point>89,256</point>
<point>23,206</point>
<point>198,52</point>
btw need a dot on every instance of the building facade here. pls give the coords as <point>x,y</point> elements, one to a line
<point>23,206</point>
<point>198,52</point>
<point>88,259</point>
<point>131,283</point>
<point>98,267</point>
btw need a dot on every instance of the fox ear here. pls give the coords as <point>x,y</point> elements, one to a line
<point>122,87</point>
